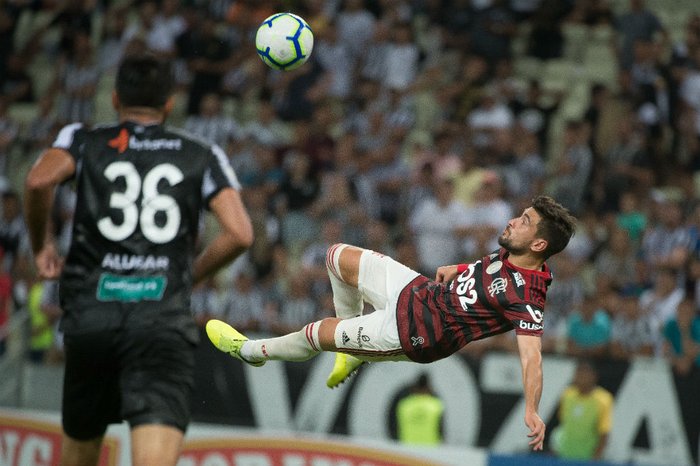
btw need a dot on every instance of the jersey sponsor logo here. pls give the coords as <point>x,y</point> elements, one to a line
<point>130,288</point>
<point>124,141</point>
<point>415,341</point>
<point>494,267</point>
<point>498,286</point>
<point>134,262</point>
<point>121,142</point>
<point>519,280</point>
<point>535,313</point>
<point>529,325</point>
<point>361,338</point>
<point>154,144</point>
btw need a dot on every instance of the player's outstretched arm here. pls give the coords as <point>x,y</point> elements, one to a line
<point>530,348</point>
<point>53,167</point>
<point>235,237</point>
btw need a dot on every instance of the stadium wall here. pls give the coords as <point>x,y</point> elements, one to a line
<point>656,417</point>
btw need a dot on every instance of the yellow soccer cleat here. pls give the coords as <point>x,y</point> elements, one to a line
<point>345,365</point>
<point>228,339</point>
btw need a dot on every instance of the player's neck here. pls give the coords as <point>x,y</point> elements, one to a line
<point>525,261</point>
<point>142,115</point>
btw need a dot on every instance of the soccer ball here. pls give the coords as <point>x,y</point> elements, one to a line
<point>284,41</point>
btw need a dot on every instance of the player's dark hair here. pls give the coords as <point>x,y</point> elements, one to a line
<point>144,81</point>
<point>556,226</point>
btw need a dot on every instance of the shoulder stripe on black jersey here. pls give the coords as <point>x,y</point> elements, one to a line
<point>225,166</point>
<point>65,136</point>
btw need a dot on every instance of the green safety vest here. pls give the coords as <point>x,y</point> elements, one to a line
<point>418,419</point>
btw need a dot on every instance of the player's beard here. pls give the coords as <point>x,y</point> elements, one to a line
<point>507,244</point>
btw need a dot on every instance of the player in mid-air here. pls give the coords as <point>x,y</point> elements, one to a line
<point>126,283</point>
<point>422,320</point>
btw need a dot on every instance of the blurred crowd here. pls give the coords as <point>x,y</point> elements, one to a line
<point>417,129</point>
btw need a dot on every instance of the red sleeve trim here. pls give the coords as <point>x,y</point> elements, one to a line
<point>462,268</point>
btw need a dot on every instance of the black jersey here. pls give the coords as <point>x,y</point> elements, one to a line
<point>140,192</point>
<point>492,296</point>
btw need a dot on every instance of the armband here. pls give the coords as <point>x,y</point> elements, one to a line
<point>462,268</point>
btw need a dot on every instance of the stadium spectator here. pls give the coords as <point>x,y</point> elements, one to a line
<point>401,59</point>
<point>632,333</point>
<point>546,40</point>
<point>40,325</point>
<point>534,109</point>
<point>9,133</point>
<point>588,330</point>
<point>15,83</point>
<point>5,304</point>
<point>682,350</point>
<point>636,24</point>
<point>615,264</point>
<point>585,417</point>
<point>419,415</point>
<point>492,31</point>
<point>13,231</point>
<point>666,241</point>
<point>211,123</point>
<point>51,308</point>
<point>565,295</point>
<point>242,302</point>
<point>355,26</point>
<point>626,166</point>
<point>659,303</point>
<point>205,302</point>
<point>682,338</point>
<point>335,57</point>
<point>207,55</point>
<point>76,80</point>
<point>433,225</point>
<point>631,218</point>
<point>297,307</point>
<point>482,220</point>
<point>490,116</point>
<point>573,167</point>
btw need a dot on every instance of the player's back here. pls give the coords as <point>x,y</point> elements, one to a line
<point>140,191</point>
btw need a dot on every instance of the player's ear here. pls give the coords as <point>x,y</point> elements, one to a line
<point>115,100</point>
<point>539,245</point>
<point>169,105</point>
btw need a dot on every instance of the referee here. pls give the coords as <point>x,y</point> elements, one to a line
<point>125,284</point>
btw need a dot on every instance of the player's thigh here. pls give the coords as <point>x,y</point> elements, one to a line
<point>381,279</point>
<point>91,398</point>
<point>370,337</point>
<point>157,378</point>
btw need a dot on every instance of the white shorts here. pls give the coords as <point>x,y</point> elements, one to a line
<point>375,336</point>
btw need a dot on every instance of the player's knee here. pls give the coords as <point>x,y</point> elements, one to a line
<point>326,333</point>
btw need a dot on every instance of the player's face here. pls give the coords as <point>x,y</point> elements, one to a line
<point>520,232</point>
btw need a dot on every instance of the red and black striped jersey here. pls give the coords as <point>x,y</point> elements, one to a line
<point>491,297</point>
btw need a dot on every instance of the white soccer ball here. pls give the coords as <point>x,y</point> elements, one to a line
<point>284,41</point>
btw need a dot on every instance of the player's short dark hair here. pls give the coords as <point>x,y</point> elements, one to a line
<point>144,81</point>
<point>556,226</point>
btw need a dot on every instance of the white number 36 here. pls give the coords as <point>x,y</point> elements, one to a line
<point>152,202</point>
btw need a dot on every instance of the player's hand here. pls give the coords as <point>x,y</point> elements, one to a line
<point>537,429</point>
<point>445,273</point>
<point>48,263</point>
